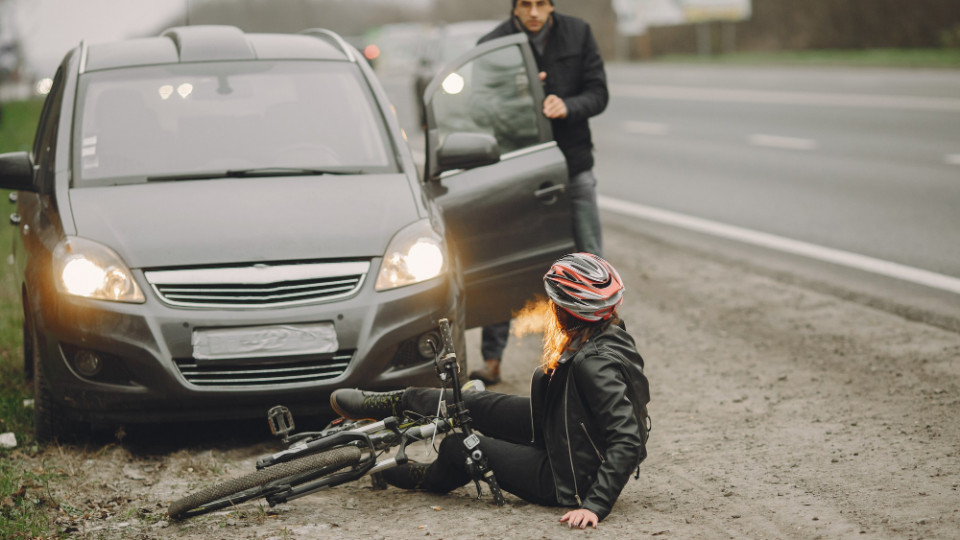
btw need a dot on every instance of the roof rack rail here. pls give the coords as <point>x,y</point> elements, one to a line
<point>83,56</point>
<point>333,38</point>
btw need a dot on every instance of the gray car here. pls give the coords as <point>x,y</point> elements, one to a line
<point>212,222</point>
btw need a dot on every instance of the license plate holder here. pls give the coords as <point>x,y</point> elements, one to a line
<point>264,341</point>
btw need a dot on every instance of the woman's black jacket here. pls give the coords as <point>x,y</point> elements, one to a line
<point>574,68</point>
<point>591,414</point>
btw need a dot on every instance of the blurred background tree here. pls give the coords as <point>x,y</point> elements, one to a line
<point>775,25</point>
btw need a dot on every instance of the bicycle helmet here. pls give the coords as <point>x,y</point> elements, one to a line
<point>584,285</point>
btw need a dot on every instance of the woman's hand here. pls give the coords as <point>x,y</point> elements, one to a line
<point>581,517</point>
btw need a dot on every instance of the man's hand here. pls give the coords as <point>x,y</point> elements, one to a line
<point>581,517</point>
<point>554,107</point>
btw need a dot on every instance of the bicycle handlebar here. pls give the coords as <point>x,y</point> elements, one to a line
<point>476,460</point>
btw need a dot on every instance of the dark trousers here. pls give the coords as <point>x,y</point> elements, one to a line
<point>520,466</point>
<point>586,236</point>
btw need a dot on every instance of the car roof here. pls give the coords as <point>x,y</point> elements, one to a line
<point>214,43</point>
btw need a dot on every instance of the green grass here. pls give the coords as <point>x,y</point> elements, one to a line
<point>23,498</point>
<point>900,58</point>
<point>16,133</point>
<point>22,490</point>
<point>18,125</point>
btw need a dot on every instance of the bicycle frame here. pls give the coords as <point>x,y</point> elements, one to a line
<point>386,433</point>
<point>316,457</point>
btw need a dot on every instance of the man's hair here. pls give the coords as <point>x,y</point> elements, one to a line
<point>513,3</point>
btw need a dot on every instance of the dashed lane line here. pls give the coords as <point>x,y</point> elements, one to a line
<point>778,141</point>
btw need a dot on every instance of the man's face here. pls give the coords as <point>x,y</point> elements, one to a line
<point>533,14</point>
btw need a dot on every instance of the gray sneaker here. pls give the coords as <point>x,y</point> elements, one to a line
<point>359,404</point>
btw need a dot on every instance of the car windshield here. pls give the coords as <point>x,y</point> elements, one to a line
<point>196,120</point>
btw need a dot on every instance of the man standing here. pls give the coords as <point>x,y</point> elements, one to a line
<point>576,88</point>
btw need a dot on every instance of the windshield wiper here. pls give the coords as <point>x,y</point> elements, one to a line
<point>249,173</point>
<point>286,171</point>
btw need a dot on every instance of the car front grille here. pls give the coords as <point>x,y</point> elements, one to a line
<point>245,373</point>
<point>258,286</point>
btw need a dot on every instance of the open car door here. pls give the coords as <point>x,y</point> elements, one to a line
<point>493,167</point>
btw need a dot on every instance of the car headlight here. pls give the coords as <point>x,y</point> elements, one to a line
<point>415,254</point>
<point>91,270</point>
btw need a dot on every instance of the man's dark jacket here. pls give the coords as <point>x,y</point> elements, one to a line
<point>590,415</point>
<point>575,74</point>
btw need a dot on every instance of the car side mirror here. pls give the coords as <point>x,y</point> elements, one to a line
<point>16,172</point>
<point>467,151</point>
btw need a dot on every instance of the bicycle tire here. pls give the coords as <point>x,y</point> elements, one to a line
<point>324,462</point>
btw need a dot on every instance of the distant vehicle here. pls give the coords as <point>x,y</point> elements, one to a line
<point>443,44</point>
<point>212,222</point>
<point>396,48</point>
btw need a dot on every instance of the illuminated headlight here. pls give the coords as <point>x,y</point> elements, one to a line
<point>415,254</point>
<point>85,268</point>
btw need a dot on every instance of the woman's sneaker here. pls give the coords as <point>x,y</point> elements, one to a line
<point>359,404</point>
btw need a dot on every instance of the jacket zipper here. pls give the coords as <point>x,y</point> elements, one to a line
<point>566,427</point>
<point>595,449</point>
<point>556,488</point>
<point>533,435</point>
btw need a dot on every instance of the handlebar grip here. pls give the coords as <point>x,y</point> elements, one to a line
<point>446,334</point>
<point>491,481</point>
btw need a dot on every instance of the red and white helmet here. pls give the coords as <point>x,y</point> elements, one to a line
<point>586,286</point>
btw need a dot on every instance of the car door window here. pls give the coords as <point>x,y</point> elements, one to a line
<point>45,145</point>
<point>491,94</point>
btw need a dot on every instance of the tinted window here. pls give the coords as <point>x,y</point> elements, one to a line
<point>490,94</point>
<point>45,144</point>
<point>193,118</point>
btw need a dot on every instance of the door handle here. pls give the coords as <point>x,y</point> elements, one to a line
<point>548,192</point>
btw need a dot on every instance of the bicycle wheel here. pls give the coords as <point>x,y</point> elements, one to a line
<point>254,485</point>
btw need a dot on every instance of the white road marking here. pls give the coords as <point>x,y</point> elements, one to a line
<point>779,243</point>
<point>952,159</point>
<point>777,141</point>
<point>734,95</point>
<point>644,128</point>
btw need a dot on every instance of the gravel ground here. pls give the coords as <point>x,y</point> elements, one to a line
<point>778,412</point>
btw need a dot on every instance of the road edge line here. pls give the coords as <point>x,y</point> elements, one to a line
<point>786,245</point>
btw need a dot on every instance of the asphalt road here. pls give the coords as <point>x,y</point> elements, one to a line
<point>866,161</point>
<point>844,178</point>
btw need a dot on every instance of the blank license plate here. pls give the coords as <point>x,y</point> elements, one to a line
<point>264,341</point>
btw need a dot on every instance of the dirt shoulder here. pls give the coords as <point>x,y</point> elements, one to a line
<point>778,411</point>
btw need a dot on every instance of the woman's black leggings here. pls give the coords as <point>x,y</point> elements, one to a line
<point>521,467</point>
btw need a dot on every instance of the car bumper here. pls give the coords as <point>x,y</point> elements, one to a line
<point>147,353</point>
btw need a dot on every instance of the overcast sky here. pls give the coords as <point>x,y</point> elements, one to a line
<point>50,28</point>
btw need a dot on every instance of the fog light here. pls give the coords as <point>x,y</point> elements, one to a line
<point>428,345</point>
<point>87,363</point>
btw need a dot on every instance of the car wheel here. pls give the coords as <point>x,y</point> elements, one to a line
<point>49,421</point>
<point>27,347</point>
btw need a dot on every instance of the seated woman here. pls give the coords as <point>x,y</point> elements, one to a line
<point>582,432</point>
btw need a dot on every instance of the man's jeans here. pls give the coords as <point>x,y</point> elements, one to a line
<point>586,216</point>
<point>586,236</point>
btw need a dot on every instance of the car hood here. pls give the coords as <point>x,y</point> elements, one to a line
<point>223,221</point>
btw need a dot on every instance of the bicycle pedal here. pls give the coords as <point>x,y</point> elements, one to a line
<point>280,420</point>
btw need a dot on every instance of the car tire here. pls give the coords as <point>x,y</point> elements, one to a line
<point>49,420</point>
<point>27,346</point>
